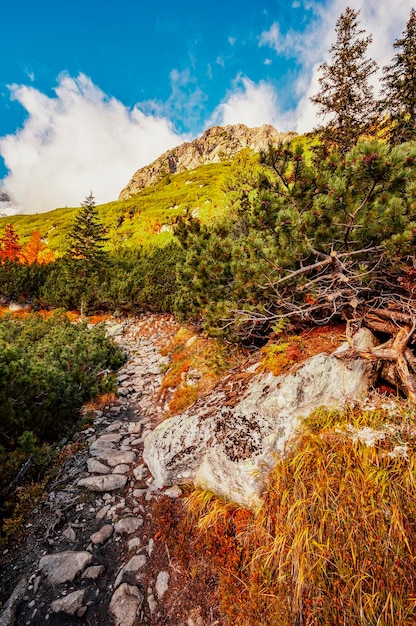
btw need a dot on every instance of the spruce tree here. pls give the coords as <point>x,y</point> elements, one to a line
<point>86,237</point>
<point>345,92</point>
<point>83,271</point>
<point>399,90</point>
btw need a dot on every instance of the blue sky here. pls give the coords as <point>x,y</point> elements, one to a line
<point>92,90</point>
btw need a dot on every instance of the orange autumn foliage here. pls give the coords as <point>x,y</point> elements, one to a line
<point>10,247</point>
<point>36,251</point>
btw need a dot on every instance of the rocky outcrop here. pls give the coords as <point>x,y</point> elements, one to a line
<point>216,144</point>
<point>228,449</point>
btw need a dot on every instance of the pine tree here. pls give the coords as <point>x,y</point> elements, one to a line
<point>345,93</point>
<point>86,237</point>
<point>399,90</point>
<point>86,260</point>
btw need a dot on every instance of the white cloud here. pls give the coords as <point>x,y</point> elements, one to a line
<point>77,141</point>
<point>272,38</point>
<point>250,103</point>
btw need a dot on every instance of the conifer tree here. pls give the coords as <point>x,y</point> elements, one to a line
<point>399,90</point>
<point>86,260</point>
<point>345,92</point>
<point>86,237</point>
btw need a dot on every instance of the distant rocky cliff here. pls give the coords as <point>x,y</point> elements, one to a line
<point>215,145</point>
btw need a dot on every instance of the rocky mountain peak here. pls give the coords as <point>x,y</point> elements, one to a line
<point>216,144</point>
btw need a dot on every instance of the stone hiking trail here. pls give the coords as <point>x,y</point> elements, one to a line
<point>90,556</point>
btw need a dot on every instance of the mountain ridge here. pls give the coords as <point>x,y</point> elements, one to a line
<point>213,146</point>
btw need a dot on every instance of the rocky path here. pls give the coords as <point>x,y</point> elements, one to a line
<point>90,555</point>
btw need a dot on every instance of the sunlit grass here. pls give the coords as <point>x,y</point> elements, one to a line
<point>196,363</point>
<point>145,219</point>
<point>335,539</point>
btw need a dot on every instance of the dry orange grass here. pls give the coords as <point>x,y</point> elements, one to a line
<point>196,364</point>
<point>335,540</point>
<point>99,403</point>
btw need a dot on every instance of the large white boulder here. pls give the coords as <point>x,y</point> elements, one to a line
<point>227,446</point>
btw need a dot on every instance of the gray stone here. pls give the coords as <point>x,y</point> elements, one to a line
<point>102,513</point>
<point>114,426</point>
<point>93,572</point>
<point>128,525</point>
<point>96,467</point>
<point>116,330</point>
<point>105,441</point>
<point>8,614</point>
<point>173,492</point>
<point>162,584</point>
<point>64,566</point>
<point>70,603</point>
<point>139,472</point>
<point>121,469</point>
<point>102,535</point>
<point>69,534</point>
<point>110,482</point>
<point>229,449</point>
<point>118,457</point>
<point>134,428</point>
<point>125,604</point>
<point>151,602</point>
<point>150,546</point>
<point>135,563</point>
<point>134,543</point>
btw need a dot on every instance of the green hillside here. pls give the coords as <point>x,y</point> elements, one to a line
<point>143,219</point>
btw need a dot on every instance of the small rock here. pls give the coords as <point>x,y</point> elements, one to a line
<point>134,543</point>
<point>70,603</point>
<point>128,525</point>
<point>96,467</point>
<point>102,535</point>
<point>115,331</point>
<point>138,493</point>
<point>151,602</point>
<point>139,472</point>
<point>69,534</point>
<point>173,492</point>
<point>114,426</point>
<point>118,457</point>
<point>162,583</point>
<point>134,428</point>
<point>125,604</point>
<point>106,441</point>
<point>102,513</point>
<point>135,563</point>
<point>94,571</point>
<point>121,469</point>
<point>150,546</point>
<point>8,614</point>
<point>110,482</point>
<point>64,566</point>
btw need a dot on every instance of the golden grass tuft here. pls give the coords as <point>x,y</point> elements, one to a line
<point>335,539</point>
<point>196,363</point>
<point>99,403</point>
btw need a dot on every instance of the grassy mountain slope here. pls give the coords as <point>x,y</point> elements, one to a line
<point>146,218</point>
